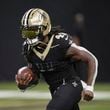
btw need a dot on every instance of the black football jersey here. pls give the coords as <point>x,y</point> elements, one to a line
<point>50,60</point>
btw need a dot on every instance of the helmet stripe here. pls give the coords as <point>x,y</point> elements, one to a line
<point>30,15</point>
<point>26,17</point>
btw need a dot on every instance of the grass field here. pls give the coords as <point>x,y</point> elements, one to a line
<point>38,104</point>
<point>43,86</point>
<point>14,104</point>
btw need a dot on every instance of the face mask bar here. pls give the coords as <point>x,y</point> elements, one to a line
<point>34,42</point>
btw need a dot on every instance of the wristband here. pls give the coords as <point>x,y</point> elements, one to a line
<point>89,88</point>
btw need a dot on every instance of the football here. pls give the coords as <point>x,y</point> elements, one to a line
<point>24,76</point>
<point>23,73</point>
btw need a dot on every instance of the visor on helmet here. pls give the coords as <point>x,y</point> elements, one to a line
<point>32,32</point>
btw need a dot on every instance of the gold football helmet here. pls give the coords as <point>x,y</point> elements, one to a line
<point>34,23</point>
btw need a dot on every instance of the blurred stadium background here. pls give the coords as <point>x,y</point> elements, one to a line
<point>97,40</point>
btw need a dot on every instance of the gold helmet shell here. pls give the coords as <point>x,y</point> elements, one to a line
<point>37,18</point>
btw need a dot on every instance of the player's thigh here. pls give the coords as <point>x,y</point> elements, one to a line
<point>65,97</point>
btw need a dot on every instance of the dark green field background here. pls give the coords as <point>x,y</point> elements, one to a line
<point>38,104</point>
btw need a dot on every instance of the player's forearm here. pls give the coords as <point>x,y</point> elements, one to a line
<point>81,53</point>
<point>92,71</point>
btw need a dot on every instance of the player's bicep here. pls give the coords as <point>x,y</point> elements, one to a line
<point>79,53</point>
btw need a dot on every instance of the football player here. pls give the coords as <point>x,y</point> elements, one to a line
<point>49,51</point>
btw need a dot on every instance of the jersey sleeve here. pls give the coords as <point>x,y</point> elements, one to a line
<point>64,39</point>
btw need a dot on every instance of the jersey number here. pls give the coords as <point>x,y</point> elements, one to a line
<point>62,35</point>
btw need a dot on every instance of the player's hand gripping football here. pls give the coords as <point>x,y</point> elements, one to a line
<point>87,95</point>
<point>23,77</point>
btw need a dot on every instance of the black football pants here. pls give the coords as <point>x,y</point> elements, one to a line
<point>66,97</point>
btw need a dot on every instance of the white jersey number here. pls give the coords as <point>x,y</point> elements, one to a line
<point>62,35</point>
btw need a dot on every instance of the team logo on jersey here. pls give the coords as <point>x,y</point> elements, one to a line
<point>55,46</point>
<point>74,84</point>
